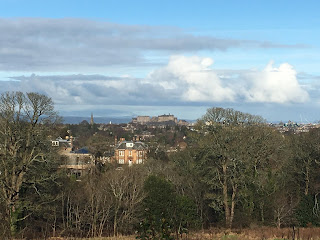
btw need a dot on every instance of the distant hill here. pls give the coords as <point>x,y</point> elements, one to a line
<point>77,120</point>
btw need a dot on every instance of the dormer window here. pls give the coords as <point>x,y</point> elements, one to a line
<point>129,144</point>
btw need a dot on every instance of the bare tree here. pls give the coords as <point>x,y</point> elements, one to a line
<point>103,203</point>
<point>23,124</point>
<point>126,188</point>
<point>229,116</point>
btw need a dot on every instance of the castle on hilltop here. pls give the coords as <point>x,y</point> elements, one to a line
<point>161,119</point>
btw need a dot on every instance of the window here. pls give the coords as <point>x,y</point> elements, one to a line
<point>55,143</point>
<point>140,153</point>
<point>129,144</point>
<point>130,153</point>
<point>121,153</point>
<point>121,161</point>
<point>139,161</point>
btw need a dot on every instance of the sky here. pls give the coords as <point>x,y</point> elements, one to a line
<point>128,58</point>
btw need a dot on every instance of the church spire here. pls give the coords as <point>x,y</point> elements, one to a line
<point>91,121</point>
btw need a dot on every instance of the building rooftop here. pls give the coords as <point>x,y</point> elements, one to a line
<point>131,145</point>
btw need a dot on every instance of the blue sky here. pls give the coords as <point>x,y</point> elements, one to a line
<point>125,58</point>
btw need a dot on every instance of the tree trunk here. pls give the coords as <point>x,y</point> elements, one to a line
<point>233,203</point>
<point>225,195</point>
<point>13,221</point>
<point>262,212</point>
<point>307,180</point>
<point>115,223</point>
<point>7,234</point>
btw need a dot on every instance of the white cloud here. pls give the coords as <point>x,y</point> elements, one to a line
<point>276,85</point>
<point>194,78</point>
<point>198,82</point>
<point>183,81</point>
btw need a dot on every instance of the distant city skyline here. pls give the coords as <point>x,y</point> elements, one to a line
<point>129,58</point>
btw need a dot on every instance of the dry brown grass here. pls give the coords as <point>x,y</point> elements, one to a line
<point>102,238</point>
<point>258,233</point>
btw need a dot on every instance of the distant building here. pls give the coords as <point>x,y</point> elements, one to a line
<point>166,119</point>
<point>60,142</point>
<point>143,136</point>
<point>183,123</point>
<point>75,162</point>
<point>141,119</point>
<point>130,152</point>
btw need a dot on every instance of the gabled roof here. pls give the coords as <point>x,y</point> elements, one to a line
<point>136,145</point>
<point>61,140</point>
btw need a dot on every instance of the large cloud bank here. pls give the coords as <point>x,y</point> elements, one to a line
<point>184,80</point>
<point>42,44</point>
<point>200,83</point>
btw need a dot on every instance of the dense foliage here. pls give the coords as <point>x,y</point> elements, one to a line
<point>166,213</point>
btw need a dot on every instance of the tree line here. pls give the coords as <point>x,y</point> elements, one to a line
<point>236,172</point>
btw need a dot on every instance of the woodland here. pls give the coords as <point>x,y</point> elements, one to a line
<point>236,172</point>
